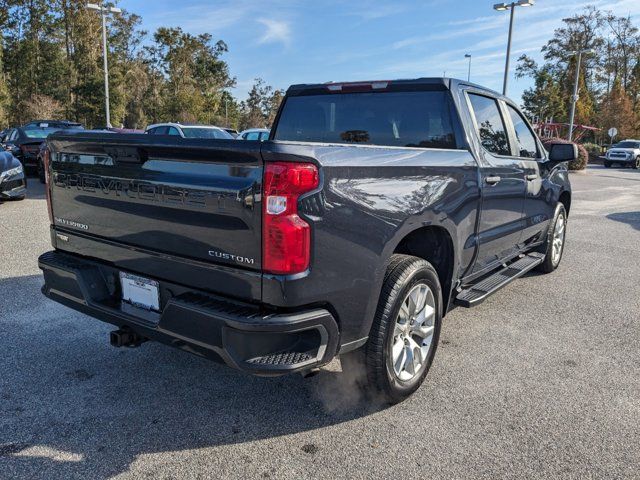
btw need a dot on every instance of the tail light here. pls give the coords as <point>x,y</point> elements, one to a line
<point>286,238</point>
<point>46,158</point>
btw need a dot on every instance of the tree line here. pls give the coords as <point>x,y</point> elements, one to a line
<point>51,67</point>
<point>609,86</point>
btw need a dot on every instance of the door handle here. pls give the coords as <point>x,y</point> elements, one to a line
<point>532,176</point>
<point>492,180</point>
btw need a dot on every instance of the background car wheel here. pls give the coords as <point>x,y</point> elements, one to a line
<point>403,338</point>
<point>636,164</point>
<point>607,164</point>
<point>553,248</point>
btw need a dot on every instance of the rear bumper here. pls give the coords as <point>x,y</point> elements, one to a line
<point>246,337</point>
<point>28,159</point>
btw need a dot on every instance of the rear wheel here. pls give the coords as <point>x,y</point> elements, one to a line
<point>553,248</point>
<point>403,338</point>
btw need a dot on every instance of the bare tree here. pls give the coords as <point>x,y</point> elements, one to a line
<point>41,106</point>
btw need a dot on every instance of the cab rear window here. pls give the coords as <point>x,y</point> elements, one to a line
<point>423,119</point>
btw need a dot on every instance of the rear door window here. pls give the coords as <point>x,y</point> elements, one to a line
<point>525,139</point>
<point>422,119</point>
<point>491,129</point>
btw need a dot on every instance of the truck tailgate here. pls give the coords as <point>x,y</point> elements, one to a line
<point>195,199</point>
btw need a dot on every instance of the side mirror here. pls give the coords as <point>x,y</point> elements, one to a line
<point>563,152</point>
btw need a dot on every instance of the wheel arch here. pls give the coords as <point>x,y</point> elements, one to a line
<point>435,245</point>
<point>565,199</point>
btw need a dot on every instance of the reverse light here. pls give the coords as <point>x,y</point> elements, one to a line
<point>286,238</point>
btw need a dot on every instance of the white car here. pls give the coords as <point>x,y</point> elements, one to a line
<point>254,134</point>
<point>625,153</point>
<point>188,131</point>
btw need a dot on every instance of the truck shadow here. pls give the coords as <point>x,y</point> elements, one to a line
<point>74,407</point>
<point>630,218</point>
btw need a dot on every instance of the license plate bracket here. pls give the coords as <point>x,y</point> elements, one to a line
<point>140,292</point>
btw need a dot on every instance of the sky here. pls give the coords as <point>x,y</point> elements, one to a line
<point>286,42</point>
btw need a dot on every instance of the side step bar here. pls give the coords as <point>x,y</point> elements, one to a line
<point>477,293</point>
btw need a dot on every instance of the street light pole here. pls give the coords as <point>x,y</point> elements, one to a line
<point>468,55</point>
<point>505,83</point>
<point>104,11</point>
<point>575,97</point>
<point>106,69</point>
<point>510,6</point>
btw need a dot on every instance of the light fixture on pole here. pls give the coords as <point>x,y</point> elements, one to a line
<point>468,55</point>
<point>104,11</point>
<point>575,97</point>
<point>501,7</point>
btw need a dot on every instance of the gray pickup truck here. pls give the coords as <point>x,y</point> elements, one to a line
<point>372,210</point>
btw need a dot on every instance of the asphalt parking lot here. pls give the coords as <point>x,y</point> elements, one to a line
<point>541,380</point>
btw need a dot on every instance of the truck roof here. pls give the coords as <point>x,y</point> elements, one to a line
<point>444,83</point>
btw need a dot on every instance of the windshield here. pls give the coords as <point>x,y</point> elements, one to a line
<point>39,132</point>
<point>402,119</point>
<point>203,132</point>
<point>627,145</point>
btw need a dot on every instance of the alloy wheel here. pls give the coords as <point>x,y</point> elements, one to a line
<point>413,333</point>
<point>558,238</point>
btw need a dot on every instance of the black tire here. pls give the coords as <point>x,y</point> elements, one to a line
<point>636,165</point>
<point>41,174</point>
<point>372,364</point>
<point>607,164</point>
<point>549,264</point>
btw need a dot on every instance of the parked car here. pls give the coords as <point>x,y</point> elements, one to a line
<point>189,131</point>
<point>118,130</point>
<point>254,134</point>
<point>13,181</point>
<point>625,153</point>
<point>352,232</point>
<point>59,124</point>
<point>24,144</point>
<point>43,150</point>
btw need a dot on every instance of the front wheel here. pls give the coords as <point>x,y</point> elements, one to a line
<point>636,165</point>
<point>607,164</point>
<point>403,338</point>
<point>553,248</point>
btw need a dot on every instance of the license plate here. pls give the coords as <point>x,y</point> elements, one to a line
<point>140,292</point>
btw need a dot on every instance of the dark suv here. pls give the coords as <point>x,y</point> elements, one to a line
<point>372,210</point>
